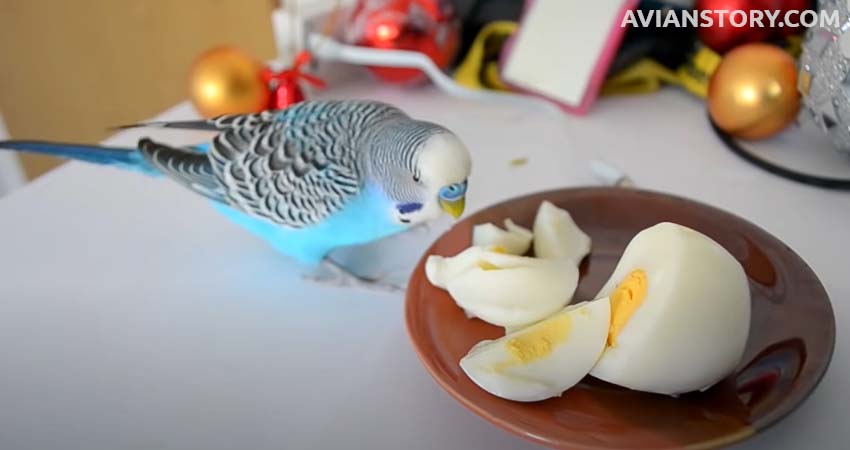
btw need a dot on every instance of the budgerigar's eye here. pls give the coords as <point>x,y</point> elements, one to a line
<point>453,191</point>
<point>416,177</point>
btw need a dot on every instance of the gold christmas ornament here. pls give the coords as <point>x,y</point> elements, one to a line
<point>225,80</point>
<point>753,93</point>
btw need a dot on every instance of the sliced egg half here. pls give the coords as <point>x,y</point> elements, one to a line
<point>440,269</point>
<point>544,359</point>
<point>556,235</point>
<point>514,239</point>
<point>680,313</point>
<point>508,290</point>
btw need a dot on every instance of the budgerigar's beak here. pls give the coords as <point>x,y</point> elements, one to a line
<point>453,207</point>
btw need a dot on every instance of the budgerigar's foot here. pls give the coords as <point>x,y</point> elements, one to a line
<point>339,276</point>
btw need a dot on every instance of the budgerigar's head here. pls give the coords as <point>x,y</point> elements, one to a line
<point>443,166</point>
<point>432,178</point>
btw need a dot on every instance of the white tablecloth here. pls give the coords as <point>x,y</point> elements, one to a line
<point>132,316</point>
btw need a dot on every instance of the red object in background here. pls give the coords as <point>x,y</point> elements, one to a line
<point>723,38</point>
<point>426,26</point>
<point>284,85</point>
<point>784,6</point>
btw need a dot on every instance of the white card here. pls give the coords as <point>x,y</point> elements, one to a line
<point>562,46</point>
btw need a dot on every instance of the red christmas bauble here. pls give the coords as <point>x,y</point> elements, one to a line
<point>285,91</point>
<point>783,6</point>
<point>723,35</point>
<point>426,26</point>
<point>285,85</point>
<point>726,37</point>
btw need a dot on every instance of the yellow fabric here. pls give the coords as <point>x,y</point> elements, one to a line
<point>646,75</point>
<point>491,77</point>
<point>696,73</point>
<point>641,77</point>
<point>469,71</point>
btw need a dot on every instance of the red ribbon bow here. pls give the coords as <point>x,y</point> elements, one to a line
<point>285,87</point>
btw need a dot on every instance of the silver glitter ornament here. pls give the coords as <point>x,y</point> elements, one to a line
<point>824,77</point>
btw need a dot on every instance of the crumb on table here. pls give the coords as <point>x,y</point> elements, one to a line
<point>519,162</point>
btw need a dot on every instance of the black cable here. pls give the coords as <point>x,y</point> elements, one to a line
<point>800,177</point>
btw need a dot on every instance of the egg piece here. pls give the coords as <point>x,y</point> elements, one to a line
<point>439,269</point>
<point>514,239</point>
<point>544,359</point>
<point>509,290</point>
<point>556,235</point>
<point>680,313</point>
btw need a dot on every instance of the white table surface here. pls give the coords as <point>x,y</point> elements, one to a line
<point>132,316</point>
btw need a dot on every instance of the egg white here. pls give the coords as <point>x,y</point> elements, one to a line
<point>692,327</point>
<point>493,367</point>
<point>440,269</point>
<point>521,291</point>
<point>556,235</point>
<point>514,239</point>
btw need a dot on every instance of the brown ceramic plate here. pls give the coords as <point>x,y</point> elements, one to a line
<point>791,336</point>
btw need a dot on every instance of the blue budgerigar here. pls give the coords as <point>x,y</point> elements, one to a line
<point>310,178</point>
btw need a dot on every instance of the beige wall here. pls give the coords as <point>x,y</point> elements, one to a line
<point>72,68</point>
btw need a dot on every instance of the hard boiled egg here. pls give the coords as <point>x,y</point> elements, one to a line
<point>556,235</point>
<point>440,269</point>
<point>509,290</point>
<point>545,359</point>
<point>680,313</point>
<point>514,239</point>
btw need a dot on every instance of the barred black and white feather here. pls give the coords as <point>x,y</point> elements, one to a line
<point>187,166</point>
<point>393,158</point>
<point>298,166</point>
<point>293,167</point>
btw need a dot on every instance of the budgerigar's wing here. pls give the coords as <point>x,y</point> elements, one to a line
<point>297,166</point>
<point>224,122</point>
<point>186,166</point>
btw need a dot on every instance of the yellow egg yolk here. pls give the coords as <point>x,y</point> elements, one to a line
<point>486,265</point>
<point>625,300</point>
<point>538,341</point>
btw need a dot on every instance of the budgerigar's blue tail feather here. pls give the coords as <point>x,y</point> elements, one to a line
<point>124,158</point>
<point>204,125</point>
